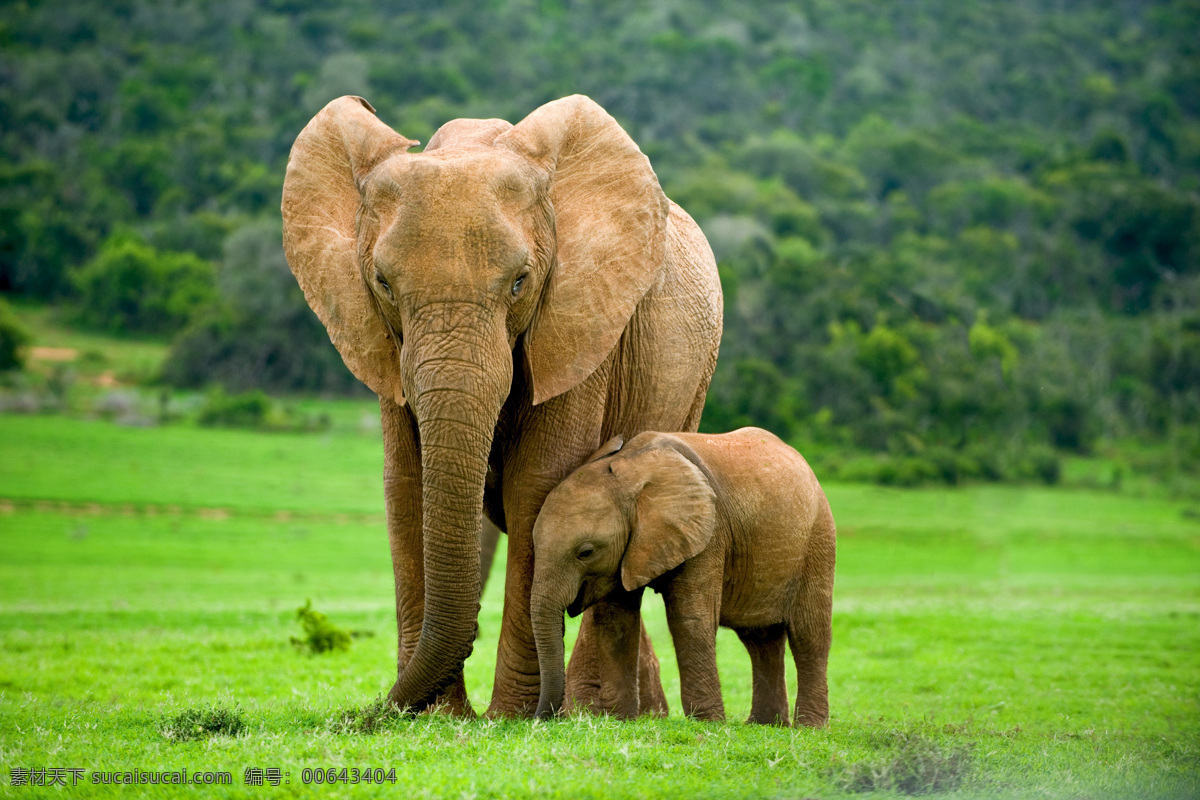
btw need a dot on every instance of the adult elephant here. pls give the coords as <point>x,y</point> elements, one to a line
<point>515,295</point>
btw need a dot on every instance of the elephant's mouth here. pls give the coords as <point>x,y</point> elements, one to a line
<point>576,607</point>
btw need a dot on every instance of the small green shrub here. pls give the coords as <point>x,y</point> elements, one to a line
<point>914,765</point>
<point>203,722</point>
<point>952,466</point>
<point>1043,464</point>
<point>247,410</point>
<point>13,338</point>
<point>369,719</point>
<point>254,409</point>
<point>320,635</point>
<point>92,360</point>
<point>906,471</point>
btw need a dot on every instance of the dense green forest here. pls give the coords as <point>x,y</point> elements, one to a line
<point>958,238</point>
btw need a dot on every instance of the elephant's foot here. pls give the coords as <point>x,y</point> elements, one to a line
<point>814,715</point>
<point>514,695</point>
<point>507,710</point>
<point>453,701</point>
<point>774,717</point>
<point>707,715</point>
<point>584,692</point>
<point>517,682</point>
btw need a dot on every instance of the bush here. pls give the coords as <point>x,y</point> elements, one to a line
<point>13,338</point>
<point>369,719</point>
<point>952,466</point>
<point>939,464</point>
<point>1068,420</point>
<point>203,722</point>
<point>320,635</point>
<point>912,764</point>
<point>1043,464</point>
<point>248,410</point>
<point>254,409</point>
<point>130,287</point>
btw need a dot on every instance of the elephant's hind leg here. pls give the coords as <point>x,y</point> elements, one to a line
<point>810,650</point>
<point>810,629</point>
<point>766,647</point>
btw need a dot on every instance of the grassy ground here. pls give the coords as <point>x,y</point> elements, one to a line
<point>989,642</point>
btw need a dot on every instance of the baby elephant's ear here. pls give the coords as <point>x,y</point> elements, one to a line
<point>607,449</point>
<point>674,518</point>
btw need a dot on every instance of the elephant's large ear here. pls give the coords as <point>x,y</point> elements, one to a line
<point>321,201</point>
<point>674,517</point>
<point>610,218</point>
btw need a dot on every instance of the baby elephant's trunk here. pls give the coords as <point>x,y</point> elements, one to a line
<point>548,630</point>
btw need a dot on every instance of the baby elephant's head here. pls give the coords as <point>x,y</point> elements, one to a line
<point>625,517</point>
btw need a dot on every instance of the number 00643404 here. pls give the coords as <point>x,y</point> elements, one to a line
<point>348,775</point>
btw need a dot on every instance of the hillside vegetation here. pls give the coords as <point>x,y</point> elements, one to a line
<point>957,239</point>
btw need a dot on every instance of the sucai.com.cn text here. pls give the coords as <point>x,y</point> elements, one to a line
<point>73,776</point>
<point>66,777</point>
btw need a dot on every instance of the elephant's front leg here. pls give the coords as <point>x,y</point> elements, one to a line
<point>402,495</point>
<point>541,447</point>
<point>517,680</point>
<point>518,674</point>
<point>692,615</point>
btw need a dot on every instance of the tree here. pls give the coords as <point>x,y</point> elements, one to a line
<point>261,333</point>
<point>130,287</point>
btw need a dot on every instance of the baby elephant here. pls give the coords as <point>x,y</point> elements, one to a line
<point>732,529</point>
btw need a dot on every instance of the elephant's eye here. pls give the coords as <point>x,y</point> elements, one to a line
<point>518,283</point>
<point>383,282</point>
<point>585,551</point>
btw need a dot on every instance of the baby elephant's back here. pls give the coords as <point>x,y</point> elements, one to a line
<point>777,518</point>
<point>760,475</point>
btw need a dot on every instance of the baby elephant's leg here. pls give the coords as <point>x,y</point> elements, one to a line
<point>694,630</point>
<point>810,628</point>
<point>766,647</point>
<point>809,634</point>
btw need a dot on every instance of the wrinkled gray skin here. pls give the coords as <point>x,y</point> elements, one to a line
<point>515,295</point>
<point>732,529</point>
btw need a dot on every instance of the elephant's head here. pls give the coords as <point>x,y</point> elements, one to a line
<point>618,522</point>
<point>428,269</point>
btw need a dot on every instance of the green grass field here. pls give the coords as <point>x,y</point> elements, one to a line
<point>988,641</point>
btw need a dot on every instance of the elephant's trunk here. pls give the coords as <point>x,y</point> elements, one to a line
<point>548,630</point>
<point>459,390</point>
